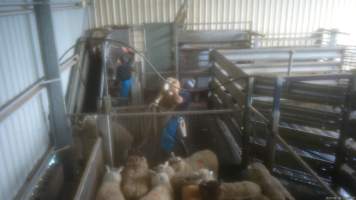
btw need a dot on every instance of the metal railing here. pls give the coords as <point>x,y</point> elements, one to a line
<point>241,86</point>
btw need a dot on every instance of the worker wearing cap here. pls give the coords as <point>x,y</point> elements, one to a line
<point>124,72</point>
<point>174,98</point>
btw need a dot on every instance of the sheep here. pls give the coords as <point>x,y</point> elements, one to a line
<point>122,142</point>
<point>213,190</point>
<point>166,169</point>
<point>270,186</point>
<point>181,179</point>
<point>162,189</point>
<point>110,187</point>
<point>135,177</point>
<point>191,192</point>
<point>201,159</point>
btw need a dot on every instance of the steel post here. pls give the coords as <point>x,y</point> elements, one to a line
<point>61,130</point>
<point>274,125</point>
<point>246,123</point>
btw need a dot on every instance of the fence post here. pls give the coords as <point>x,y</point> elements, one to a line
<point>274,125</point>
<point>246,130</point>
<point>345,129</point>
<point>290,62</point>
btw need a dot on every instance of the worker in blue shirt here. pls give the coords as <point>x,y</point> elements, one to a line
<point>174,131</point>
<point>124,72</point>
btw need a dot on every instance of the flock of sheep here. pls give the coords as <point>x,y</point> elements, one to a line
<point>192,178</point>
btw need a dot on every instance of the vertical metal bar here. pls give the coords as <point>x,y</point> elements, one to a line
<point>271,141</point>
<point>332,40</point>
<point>246,129</point>
<point>107,105</point>
<point>61,130</point>
<point>176,47</point>
<point>290,62</point>
<point>345,129</point>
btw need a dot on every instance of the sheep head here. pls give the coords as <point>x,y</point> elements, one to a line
<point>112,174</point>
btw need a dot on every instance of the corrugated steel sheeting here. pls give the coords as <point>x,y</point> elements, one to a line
<point>24,135</point>
<point>19,64</point>
<point>23,141</point>
<point>69,25</point>
<point>108,12</point>
<point>267,16</point>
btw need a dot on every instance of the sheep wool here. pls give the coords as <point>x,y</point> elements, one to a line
<point>135,177</point>
<point>165,168</point>
<point>110,187</point>
<point>213,190</point>
<point>270,186</point>
<point>239,190</point>
<point>179,180</point>
<point>204,159</point>
<point>199,160</point>
<point>191,192</point>
<point>162,189</point>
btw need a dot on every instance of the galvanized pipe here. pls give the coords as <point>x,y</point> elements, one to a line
<point>189,112</point>
<point>290,62</point>
<point>274,125</point>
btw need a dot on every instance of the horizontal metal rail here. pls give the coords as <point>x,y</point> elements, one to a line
<point>20,99</point>
<point>164,113</point>
<point>21,8</point>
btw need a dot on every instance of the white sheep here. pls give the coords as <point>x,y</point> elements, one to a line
<point>110,187</point>
<point>135,177</point>
<point>270,186</point>
<point>162,189</point>
<point>199,160</point>
<point>166,169</point>
<point>230,191</point>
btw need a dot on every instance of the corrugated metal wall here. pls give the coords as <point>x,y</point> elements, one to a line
<point>108,12</point>
<point>267,16</point>
<point>24,134</point>
<point>69,25</point>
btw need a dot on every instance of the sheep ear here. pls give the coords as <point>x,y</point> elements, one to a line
<point>152,172</point>
<point>120,169</point>
<point>107,168</point>
<point>166,164</point>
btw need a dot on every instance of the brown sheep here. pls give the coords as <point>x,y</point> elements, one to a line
<point>191,192</point>
<point>181,179</point>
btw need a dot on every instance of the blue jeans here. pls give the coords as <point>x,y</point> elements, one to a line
<point>125,88</point>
